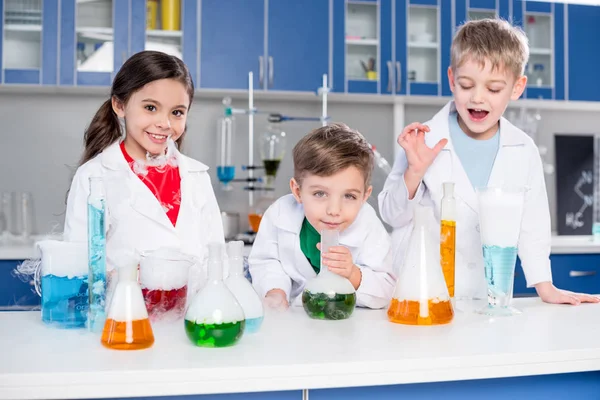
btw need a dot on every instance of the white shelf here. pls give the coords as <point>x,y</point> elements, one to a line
<point>164,34</point>
<point>359,79</point>
<point>540,51</point>
<point>362,42</point>
<point>23,28</point>
<point>423,45</point>
<point>109,31</point>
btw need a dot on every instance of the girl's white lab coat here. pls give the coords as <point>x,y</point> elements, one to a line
<point>135,218</point>
<point>517,163</point>
<point>277,261</point>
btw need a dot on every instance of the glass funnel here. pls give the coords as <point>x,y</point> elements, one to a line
<point>272,150</point>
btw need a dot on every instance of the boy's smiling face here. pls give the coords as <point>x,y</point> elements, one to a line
<point>332,202</point>
<point>481,96</point>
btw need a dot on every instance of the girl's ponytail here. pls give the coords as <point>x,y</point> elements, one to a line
<point>103,131</point>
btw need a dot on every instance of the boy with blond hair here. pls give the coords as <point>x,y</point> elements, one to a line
<point>330,187</point>
<point>469,143</point>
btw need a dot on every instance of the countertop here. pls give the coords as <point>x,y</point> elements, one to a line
<point>292,351</point>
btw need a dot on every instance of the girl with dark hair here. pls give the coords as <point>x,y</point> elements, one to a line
<point>155,196</point>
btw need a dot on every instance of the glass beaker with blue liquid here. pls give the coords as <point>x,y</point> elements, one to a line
<point>500,214</point>
<point>64,274</point>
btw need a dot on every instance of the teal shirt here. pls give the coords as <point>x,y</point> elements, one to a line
<point>476,156</point>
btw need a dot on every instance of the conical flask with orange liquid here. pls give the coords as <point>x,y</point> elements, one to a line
<point>127,326</point>
<point>421,296</point>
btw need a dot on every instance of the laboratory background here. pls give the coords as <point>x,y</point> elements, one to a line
<point>375,65</point>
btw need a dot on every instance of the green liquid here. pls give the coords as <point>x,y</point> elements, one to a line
<point>271,167</point>
<point>322,306</point>
<point>214,335</point>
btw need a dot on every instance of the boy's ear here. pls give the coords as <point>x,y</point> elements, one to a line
<point>295,188</point>
<point>451,79</point>
<point>368,193</point>
<point>519,87</point>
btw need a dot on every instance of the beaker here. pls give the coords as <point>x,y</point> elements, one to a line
<point>64,283</point>
<point>214,317</point>
<point>328,295</point>
<point>421,296</point>
<point>164,275</point>
<point>500,214</point>
<point>272,150</point>
<point>448,236</point>
<point>225,127</point>
<point>241,288</point>
<point>127,326</point>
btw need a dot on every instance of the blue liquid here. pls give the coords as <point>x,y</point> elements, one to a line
<point>253,324</point>
<point>499,273</point>
<point>225,173</point>
<point>97,267</point>
<point>64,301</point>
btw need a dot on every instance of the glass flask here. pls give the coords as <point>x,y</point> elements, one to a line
<point>421,296</point>
<point>127,326</point>
<point>64,283</point>
<point>257,211</point>
<point>164,276</point>
<point>500,214</point>
<point>272,150</point>
<point>241,288</point>
<point>328,295</point>
<point>96,254</point>
<point>448,236</point>
<point>214,317</point>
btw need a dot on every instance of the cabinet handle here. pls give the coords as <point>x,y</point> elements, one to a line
<point>398,77</point>
<point>390,77</point>
<point>271,72</point>
<point>578,274</point>
<point>261,71</point>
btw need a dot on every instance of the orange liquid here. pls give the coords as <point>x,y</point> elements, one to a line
<point>254,220</point>
<point>447,253</point>
<point>127,335</point>
<point>407,312</point>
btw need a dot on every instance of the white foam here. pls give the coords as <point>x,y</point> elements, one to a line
<point>500,215</point>
<point>62,258</point>
<point>127,303</point>
<point>165,269</point>
<point>420,277</point>
<point>215,304</point>
<point>328,282</point>
<point>246,296</point>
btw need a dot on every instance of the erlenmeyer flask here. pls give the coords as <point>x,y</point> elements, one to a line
<point>328,295</point>
<point>421,296</point>
<point>127,326</point>
<point>242,289</point>
<point>215,318</point>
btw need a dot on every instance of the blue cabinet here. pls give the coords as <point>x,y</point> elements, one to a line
<point>583,31</point>
<point>13,291</point>
<point>232,43</point>
<point>574,272</point>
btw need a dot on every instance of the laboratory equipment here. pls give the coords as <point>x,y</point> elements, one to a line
<point>164,275</point>
<point>448,236</point>
<point>127,325</point>
<point>328,295</point>
<point>258,210</point>
<point>241,288</point>
<point>596,199</point>
<point>421,296</point>
<point>64,283</point>
<point>272,151</point>
<point>225,167</point>
<point>96,254</point>
<point>500,213</point>
<point>214,317</point>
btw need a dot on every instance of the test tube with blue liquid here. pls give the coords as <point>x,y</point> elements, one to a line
<point>225,167</point>
<point>96,255</point>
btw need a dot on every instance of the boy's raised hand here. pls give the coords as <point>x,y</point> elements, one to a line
<point>418,154</point>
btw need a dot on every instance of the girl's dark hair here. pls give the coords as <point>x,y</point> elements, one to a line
<point>139,70</point>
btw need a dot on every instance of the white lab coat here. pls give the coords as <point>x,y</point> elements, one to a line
<point>517,163</point>
<point>277,261</point>
<point>135,219</point>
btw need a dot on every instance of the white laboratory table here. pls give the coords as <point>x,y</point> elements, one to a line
<point>549,351</point>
